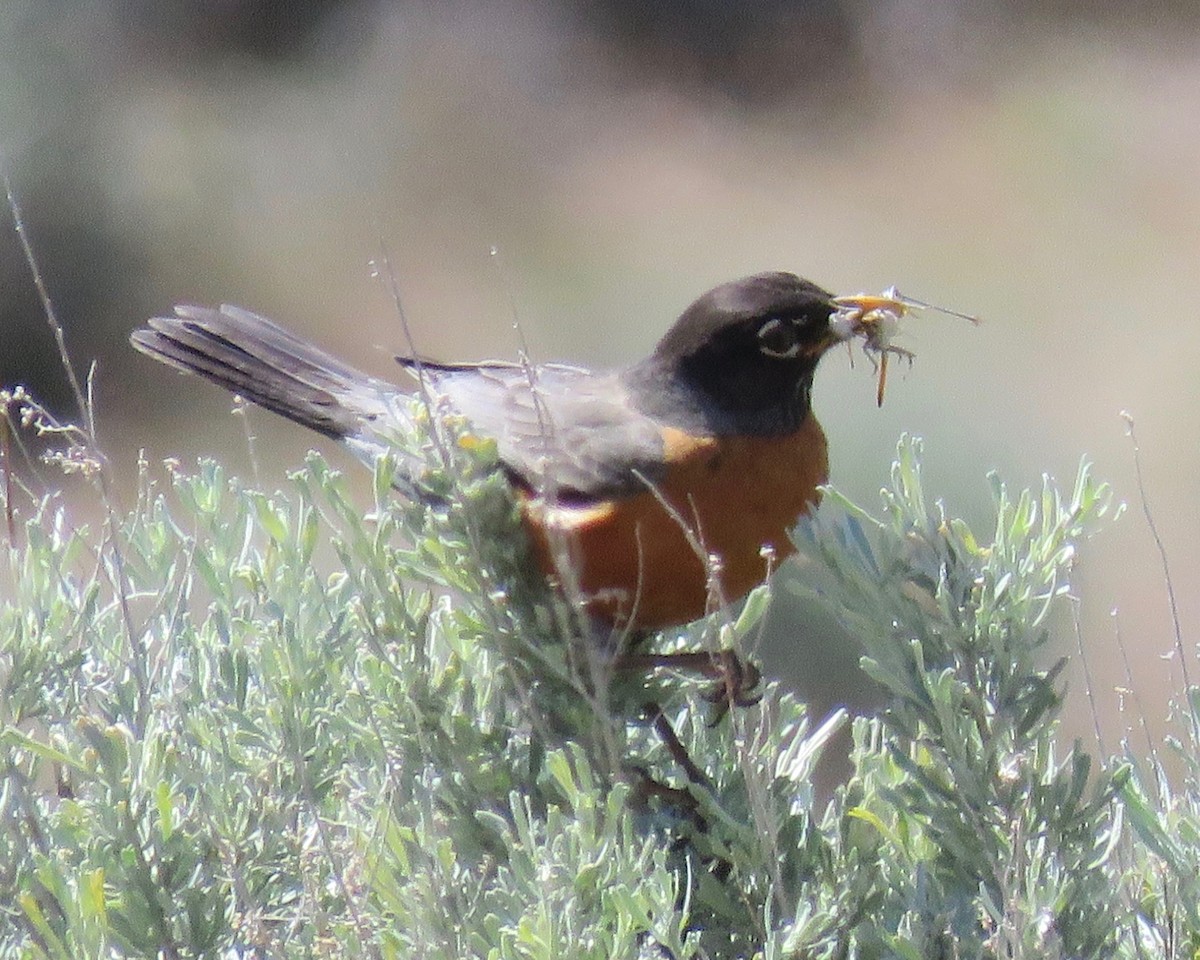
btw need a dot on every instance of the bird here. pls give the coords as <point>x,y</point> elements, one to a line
<point>659,490</point>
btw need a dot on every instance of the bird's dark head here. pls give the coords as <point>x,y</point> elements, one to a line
<point>745,352</point>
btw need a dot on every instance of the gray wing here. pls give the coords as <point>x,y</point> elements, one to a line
<point>559,429</point>
<point>563,430</point>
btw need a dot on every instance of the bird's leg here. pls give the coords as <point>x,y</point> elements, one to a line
<point>681,798</point>
<point>735,680</point>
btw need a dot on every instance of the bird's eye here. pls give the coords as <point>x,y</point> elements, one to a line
<point>777,338</point>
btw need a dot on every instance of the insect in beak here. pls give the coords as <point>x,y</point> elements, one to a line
<point>875,320</point>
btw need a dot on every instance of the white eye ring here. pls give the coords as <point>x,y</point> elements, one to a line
<point>786,345</point>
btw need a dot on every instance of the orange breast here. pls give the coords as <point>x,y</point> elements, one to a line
<point>638,560</point>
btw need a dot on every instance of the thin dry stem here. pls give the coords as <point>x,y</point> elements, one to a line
<point>1137,702</point>
<point>84,401</point>
<point>1089,683</point>
<point>1144,500</point>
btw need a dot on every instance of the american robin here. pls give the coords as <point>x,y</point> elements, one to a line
<point>663,488</point>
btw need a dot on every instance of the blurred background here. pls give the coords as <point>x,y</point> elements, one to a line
<point>1037,164</point>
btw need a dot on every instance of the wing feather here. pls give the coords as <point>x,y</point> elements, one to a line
<point>561,430</point>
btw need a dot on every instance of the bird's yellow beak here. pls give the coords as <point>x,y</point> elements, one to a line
<point>864,303</point>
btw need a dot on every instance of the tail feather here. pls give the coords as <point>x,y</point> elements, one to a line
<point>264,363</point>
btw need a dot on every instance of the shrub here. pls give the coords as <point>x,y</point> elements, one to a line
<point>220,739</point>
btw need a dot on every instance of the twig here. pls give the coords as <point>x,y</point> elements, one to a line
<point>6,472</point>
<point>1162,550</point>
<point>242,409</point>
<point>83,400</point>
<point>1137,702</point>
<point>1088,682</point>
<point>44,295</point>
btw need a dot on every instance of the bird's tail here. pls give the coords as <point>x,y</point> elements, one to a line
<point>264,363</point>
